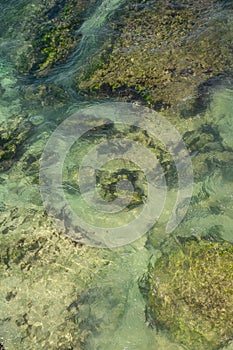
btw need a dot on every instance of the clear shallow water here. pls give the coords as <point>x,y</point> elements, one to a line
<point>53,293</point>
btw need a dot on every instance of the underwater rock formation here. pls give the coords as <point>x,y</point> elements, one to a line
<point>163,53</point>
<point>188,292</point>
<point>50,34</point>
<point>13,134</point>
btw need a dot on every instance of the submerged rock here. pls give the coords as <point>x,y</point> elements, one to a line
<point>50,34</point>
<point>14,132</point>
<point>41,283</point>
<point>163,53</point>
<point>189,293</point>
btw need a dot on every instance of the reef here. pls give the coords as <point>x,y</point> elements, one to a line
<point>165,54</point>
<point>188,293</point>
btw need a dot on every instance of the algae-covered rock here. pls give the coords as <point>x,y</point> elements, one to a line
<point>12,135</point>
<point>189,293</point>
<point>42,95</point>
<point>107,184</point>
<point>50,34</point>
<point>164,52</point>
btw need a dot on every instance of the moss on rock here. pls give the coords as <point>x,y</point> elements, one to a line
<point>189,293</point>
<point>164,51</point>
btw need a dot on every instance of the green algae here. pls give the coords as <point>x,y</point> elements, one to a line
<point>189,293</point>
<point>51,36</point>
<point>164,53</point>
<point>14,127</point>
<point>54,293</point>
<point>34,254</point>
<point>107,184</point>
<point>13,134</point>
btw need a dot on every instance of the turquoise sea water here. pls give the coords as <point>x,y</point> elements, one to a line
<point>54,295</point>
